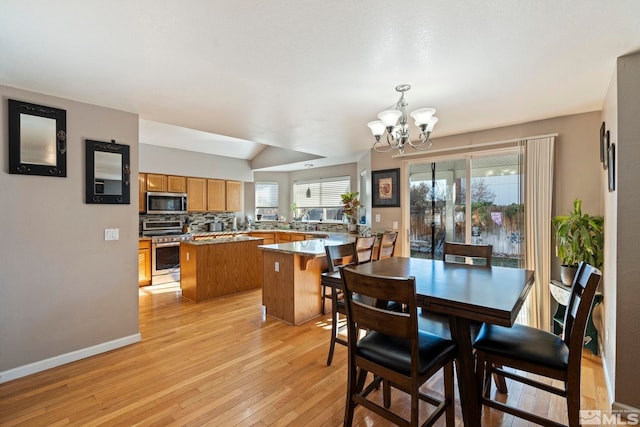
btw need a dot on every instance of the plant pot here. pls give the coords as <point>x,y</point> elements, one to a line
<point>353,228</point>
<point>567,273</point>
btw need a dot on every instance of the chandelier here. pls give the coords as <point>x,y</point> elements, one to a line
<point>394,122</point>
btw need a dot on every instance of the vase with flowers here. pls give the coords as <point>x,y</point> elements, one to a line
<point>350,205</point>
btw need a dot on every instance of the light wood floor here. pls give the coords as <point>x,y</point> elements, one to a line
<point>223,363</point>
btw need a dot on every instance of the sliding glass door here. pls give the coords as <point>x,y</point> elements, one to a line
<point>469,199</point>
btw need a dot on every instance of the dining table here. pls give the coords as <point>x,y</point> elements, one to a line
<point>465,293</point>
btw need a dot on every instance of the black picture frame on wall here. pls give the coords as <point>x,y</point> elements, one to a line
<point>386,188</point>
<point>37,139</point>
<point>607,144</point>
<point>602,143</point>
<point>611,158</point>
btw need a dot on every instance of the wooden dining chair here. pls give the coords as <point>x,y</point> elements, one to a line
<point>387,245</point>
<point>364,248</point>
<point>337,256</point>
<point>540,352</point>
<point>470,254</point>
<point>393,350</point>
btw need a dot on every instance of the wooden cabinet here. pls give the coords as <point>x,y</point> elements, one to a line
<point>142,192</point>
<point>204,194</point>
<point>176,184</point>
<point>216,195</point>
<point>196,194</point>
<point>144,262</point>
<point>297,237</point>
<point>156,182</point>
<point>268,238</point>
<point>283,237</point>
<point>234,196</point>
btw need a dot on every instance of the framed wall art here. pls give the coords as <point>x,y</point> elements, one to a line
<point>37,139</point>
<point>611,159</point>
<point>603,151</point>
<point>386,188</point>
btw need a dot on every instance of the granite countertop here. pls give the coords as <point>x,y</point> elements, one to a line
<point>263,230</point>
<point>218,233</point>
<point>220,240</point>
<point>313,247</point>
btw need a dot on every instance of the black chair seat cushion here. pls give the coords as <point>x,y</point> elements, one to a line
<point>395,353</point>
<point>524,343</point>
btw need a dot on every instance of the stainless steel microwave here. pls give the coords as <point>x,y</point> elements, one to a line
<point>166,203</point>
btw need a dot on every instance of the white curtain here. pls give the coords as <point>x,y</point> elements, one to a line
<point>538,196</point>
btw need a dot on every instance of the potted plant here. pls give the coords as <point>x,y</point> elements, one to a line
<point>350,205</point>
<point>579,237</point>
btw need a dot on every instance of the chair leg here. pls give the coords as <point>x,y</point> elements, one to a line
<point>449,395</point>
<point>351,390</point>
<point>386,393</point>
<point>483,379</point>
<point>324,297</point>
<point>501,382</point>
<point>334,333</point>
<point>573,402</point>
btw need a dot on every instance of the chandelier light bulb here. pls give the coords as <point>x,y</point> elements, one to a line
<point>432,123</point>
<point>377,128</point>
<point>390,117</point>
<point>423,115</point>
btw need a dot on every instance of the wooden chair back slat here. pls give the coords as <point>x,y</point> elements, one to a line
<point>387,245</point>
<point>381,289</point>
<point>364,248</point>
<point>340,255</point>
<point>470,252</point>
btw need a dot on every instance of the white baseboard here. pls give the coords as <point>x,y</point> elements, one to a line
<point>42,365</point>
<point>606,376</point>
<point>627,411</point>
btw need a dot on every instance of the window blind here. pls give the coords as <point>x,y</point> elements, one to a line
<point>266,194</point>
<point>323,194</point>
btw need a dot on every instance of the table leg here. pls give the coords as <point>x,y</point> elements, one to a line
<point>469,393</point>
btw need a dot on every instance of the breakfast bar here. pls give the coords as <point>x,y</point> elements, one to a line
<point>291,288</point>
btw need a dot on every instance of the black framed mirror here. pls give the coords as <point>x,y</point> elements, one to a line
<point>37,139</point>
<point>108,173</point>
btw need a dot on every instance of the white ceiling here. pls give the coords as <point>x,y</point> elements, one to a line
<point>233,77</point>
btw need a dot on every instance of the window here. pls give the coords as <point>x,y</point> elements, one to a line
<point>266,201</point>
<point>321,199</point>
<point>489,210</point>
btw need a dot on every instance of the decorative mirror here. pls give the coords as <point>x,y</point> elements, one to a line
<point>108,173</point>
<point>37,139</point>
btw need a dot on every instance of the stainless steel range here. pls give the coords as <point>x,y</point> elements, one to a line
<point>166,236</point>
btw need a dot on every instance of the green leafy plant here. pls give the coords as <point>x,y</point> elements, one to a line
<point>350,203</point>
<point>579,237</point>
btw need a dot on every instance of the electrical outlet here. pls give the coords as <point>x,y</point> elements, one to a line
<point>111,234</point>
<point>377,217</point>
<point>395,225</point>
<point>277,265</point>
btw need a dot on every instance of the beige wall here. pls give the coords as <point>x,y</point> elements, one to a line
<point>577,150</point>
<point>607,331</point>
<point>627,234</point>
<point>171,161</point>
<point>66,293</point>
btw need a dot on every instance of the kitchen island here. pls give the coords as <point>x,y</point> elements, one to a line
<point>291,272</point>
<point>217,267</point>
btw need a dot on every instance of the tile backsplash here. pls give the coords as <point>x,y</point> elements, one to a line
<point>199,223</point>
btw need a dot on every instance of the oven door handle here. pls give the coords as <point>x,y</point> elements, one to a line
<point>166,245</point>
